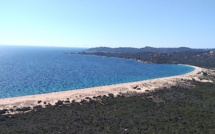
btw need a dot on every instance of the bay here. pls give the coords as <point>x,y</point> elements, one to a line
<point>26,70</point>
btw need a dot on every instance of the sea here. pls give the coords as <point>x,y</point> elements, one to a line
<point>29,70</point>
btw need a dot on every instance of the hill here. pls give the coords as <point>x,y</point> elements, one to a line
<point>196,57</point>
<point>141,50</point>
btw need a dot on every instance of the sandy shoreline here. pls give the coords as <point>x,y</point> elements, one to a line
<point>77,95</point>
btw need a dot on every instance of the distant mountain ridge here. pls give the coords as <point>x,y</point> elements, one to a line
<point>140,50</point>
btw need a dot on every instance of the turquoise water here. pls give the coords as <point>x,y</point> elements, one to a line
<point>37,70</point>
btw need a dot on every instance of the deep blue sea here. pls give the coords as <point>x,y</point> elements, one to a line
<point>36,70</point>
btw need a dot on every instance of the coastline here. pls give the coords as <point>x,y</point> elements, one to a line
<point>79,94</point>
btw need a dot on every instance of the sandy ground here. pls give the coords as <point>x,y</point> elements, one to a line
<point>78,95</point>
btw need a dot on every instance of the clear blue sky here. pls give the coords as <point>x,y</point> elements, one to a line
<point>112,23</point>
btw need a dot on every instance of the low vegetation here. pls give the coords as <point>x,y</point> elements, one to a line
<point>173,110</point>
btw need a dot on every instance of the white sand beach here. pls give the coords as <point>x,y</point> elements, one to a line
<point>78,95</point>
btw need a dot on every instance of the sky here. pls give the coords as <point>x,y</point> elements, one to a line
<point>110,23</point>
